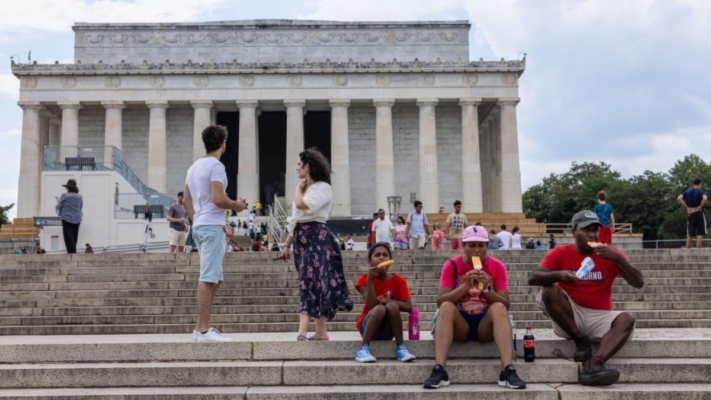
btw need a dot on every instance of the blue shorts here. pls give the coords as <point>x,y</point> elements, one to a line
<point>473,320</point>
<point>401,245</point>
<point>210,240</point>
<point>378,336</point>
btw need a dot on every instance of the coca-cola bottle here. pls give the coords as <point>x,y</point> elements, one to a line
<point>529,345</point>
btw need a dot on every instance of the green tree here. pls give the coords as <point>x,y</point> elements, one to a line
<point>646,201</point>
<point>3,214</point>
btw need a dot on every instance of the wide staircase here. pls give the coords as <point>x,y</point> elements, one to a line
<point>91,306</point>
<point>529,227</point>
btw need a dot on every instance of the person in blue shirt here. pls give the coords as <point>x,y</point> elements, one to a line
<point>694,200</point>
<point>606,217</point>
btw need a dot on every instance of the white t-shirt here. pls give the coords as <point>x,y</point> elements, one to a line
<point>516,242</point>
<point>250,225</point>
<point>251,217</point>
<point>349,244</point>
<point>505,237</point>
<point>319,198</point>
<point>200,175</point>
<point>383,230</point>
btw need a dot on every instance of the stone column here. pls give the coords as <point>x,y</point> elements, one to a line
<point>472,200</point>
<point>429,180</point>
<point>294,145</point>
<point>247,166</point>
<point>384,163</point>
<point>45,116</point>
<point>157,157</point>
<point>113,133</point>
<point>55,129</point>
<point>28,193</point>
<point>340,164</point>
<point>510,171</point>
<point>202,120</point>
<point>70,129</point>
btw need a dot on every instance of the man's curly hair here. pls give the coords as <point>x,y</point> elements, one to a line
<point>213,136</point>
<point>319,167</point>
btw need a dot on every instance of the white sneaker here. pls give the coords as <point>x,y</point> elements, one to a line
<point>195,335</point>
<point>212,335</point>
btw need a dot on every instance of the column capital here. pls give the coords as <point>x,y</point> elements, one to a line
<point>427,102</point>
<point>113,104</point>
<point>508,101</point>
<point>383,102</point>
<point>247,104</point>
<point>295,103</point>
<point>470,101</point>
<point>69,105</point>
<point>30,105</point>
<point>157,104</point>
<point>339,102</point>
<point>202,103</point>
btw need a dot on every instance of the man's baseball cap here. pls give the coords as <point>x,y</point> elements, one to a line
<point>475,234</point>
<point>584,219</point>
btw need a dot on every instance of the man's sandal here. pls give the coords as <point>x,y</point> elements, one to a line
<point>302,338</point>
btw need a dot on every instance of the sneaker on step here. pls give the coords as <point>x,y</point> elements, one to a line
<point>509,379</point>
<point>403,354</point>
<point>212,335</point>
<point>438,378</point>
<point>594,373</point>
<point>195,335</point>
<point>363,355</point>
<point>584,349</point>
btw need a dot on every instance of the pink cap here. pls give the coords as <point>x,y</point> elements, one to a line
<point>475,234</point>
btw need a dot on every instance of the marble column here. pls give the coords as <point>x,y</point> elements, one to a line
<point>45,116</point>
<point>70,129</point>
<point>294,145</point>
<point>202,120</point>
<point>429,179</point>
<point>157,145</point>
<point>30,180</point>
<point>113,132</point>
<point>510,171</point>
<point>384,157</point>
<point>472,200</point>
<point>340,164</point>
<point>55,129</point>
<point>247,166</point>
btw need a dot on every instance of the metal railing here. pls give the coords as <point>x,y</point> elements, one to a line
<point>564,229</point>
<point>672,243</point>
<point>277,223</point>
<point>152,247</point>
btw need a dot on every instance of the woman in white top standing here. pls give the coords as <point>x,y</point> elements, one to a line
<point>323,290</point>
<point>515,239</point>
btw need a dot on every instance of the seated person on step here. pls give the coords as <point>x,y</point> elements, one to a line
<point>386,296</point>
<point>581,308</point>
<point>473,306</point>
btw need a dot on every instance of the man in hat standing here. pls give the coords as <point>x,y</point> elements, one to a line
<point>580,307</point>
<point>178,230</point>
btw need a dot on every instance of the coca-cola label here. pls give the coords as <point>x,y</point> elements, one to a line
<point>528,344</point>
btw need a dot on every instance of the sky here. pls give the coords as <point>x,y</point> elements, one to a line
<point>622,82</point>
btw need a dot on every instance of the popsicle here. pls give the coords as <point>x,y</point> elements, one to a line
<point>594,244</point>
<point>477,266</point>
<point>385,264</point>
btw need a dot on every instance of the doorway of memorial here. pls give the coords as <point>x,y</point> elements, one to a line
<point>317,131</point>
<point>272,155</point>
<point>230,120</point>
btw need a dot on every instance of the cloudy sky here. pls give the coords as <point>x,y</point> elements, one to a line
<point>624,82</point>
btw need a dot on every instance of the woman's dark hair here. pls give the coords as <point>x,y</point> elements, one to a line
<point>515,229</point>
<point>213,136</point>
<point>400,218</point>
<point>319,167</point>
<point>380,244</point>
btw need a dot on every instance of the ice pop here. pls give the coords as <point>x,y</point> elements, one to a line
<point>594,244</point>
<point>477,266</point>
<point>385,264</point>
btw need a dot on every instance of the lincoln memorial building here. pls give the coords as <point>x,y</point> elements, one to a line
<point>398,107</point>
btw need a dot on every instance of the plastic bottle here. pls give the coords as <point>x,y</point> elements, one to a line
<point>529,346</point>
<point>587,265</point>
<point>413,325</point>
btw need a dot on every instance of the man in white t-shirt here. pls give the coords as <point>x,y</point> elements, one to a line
<point>383,228</point>
<point>205,202</point>
<point>349,243</point>
<point>505,237</point>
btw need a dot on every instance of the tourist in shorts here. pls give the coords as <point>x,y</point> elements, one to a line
<point>693,200</point>
<point>417,227</point>
<point>456,222</point>
<point>473,306</point>
<point>607,218</point>
<point>581,308</point>
<point>401,234</point>
<point>385,298</point>
<point>205,202</point>
<point>178,225</point>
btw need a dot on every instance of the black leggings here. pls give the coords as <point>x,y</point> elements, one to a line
<point>71,234</point>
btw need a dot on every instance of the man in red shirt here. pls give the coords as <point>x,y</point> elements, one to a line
<point>371,235</point>
<point>581,308</point>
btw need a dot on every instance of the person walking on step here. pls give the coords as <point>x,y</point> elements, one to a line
<point>385,298</point>
<point>383,228</point>
<point>417,227</point>
<point>456,222</point>
<point>437,237</point>
<point>694,200</point>
<point>607,218</point>
<point>581,308</point>
<point>69,208</point>
<point>205,202</point>
<point>473,306</point>
<point>178,225</point>
<point>323,289</point>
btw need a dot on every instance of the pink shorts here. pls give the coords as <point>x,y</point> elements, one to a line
<point>455,243</point>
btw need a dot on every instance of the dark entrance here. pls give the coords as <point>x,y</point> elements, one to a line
<point>272,155</point>
<point>230,120</point>
<point>317,131</point>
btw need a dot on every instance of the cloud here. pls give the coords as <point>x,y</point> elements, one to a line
<point>9,85</point>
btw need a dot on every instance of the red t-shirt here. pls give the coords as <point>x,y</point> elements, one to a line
<point>394,288</point>
<point>595,289</point>
<point>371,237</point>
<point>475,302</point>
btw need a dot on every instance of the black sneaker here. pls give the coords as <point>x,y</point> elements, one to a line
<point>599,376</point>
<point>509,379</point>
<point>584,351</point>
<point>438,378</point>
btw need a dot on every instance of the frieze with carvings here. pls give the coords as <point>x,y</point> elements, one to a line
<point>201,81</point>
<point>112,82</point>
<point>68,82</point>
<point>246,80</point>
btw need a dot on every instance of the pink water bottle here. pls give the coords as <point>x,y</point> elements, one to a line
<point>413,325</point>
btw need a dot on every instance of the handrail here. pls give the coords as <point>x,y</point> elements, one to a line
<point>564,229</point>
<point>278,230</point>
